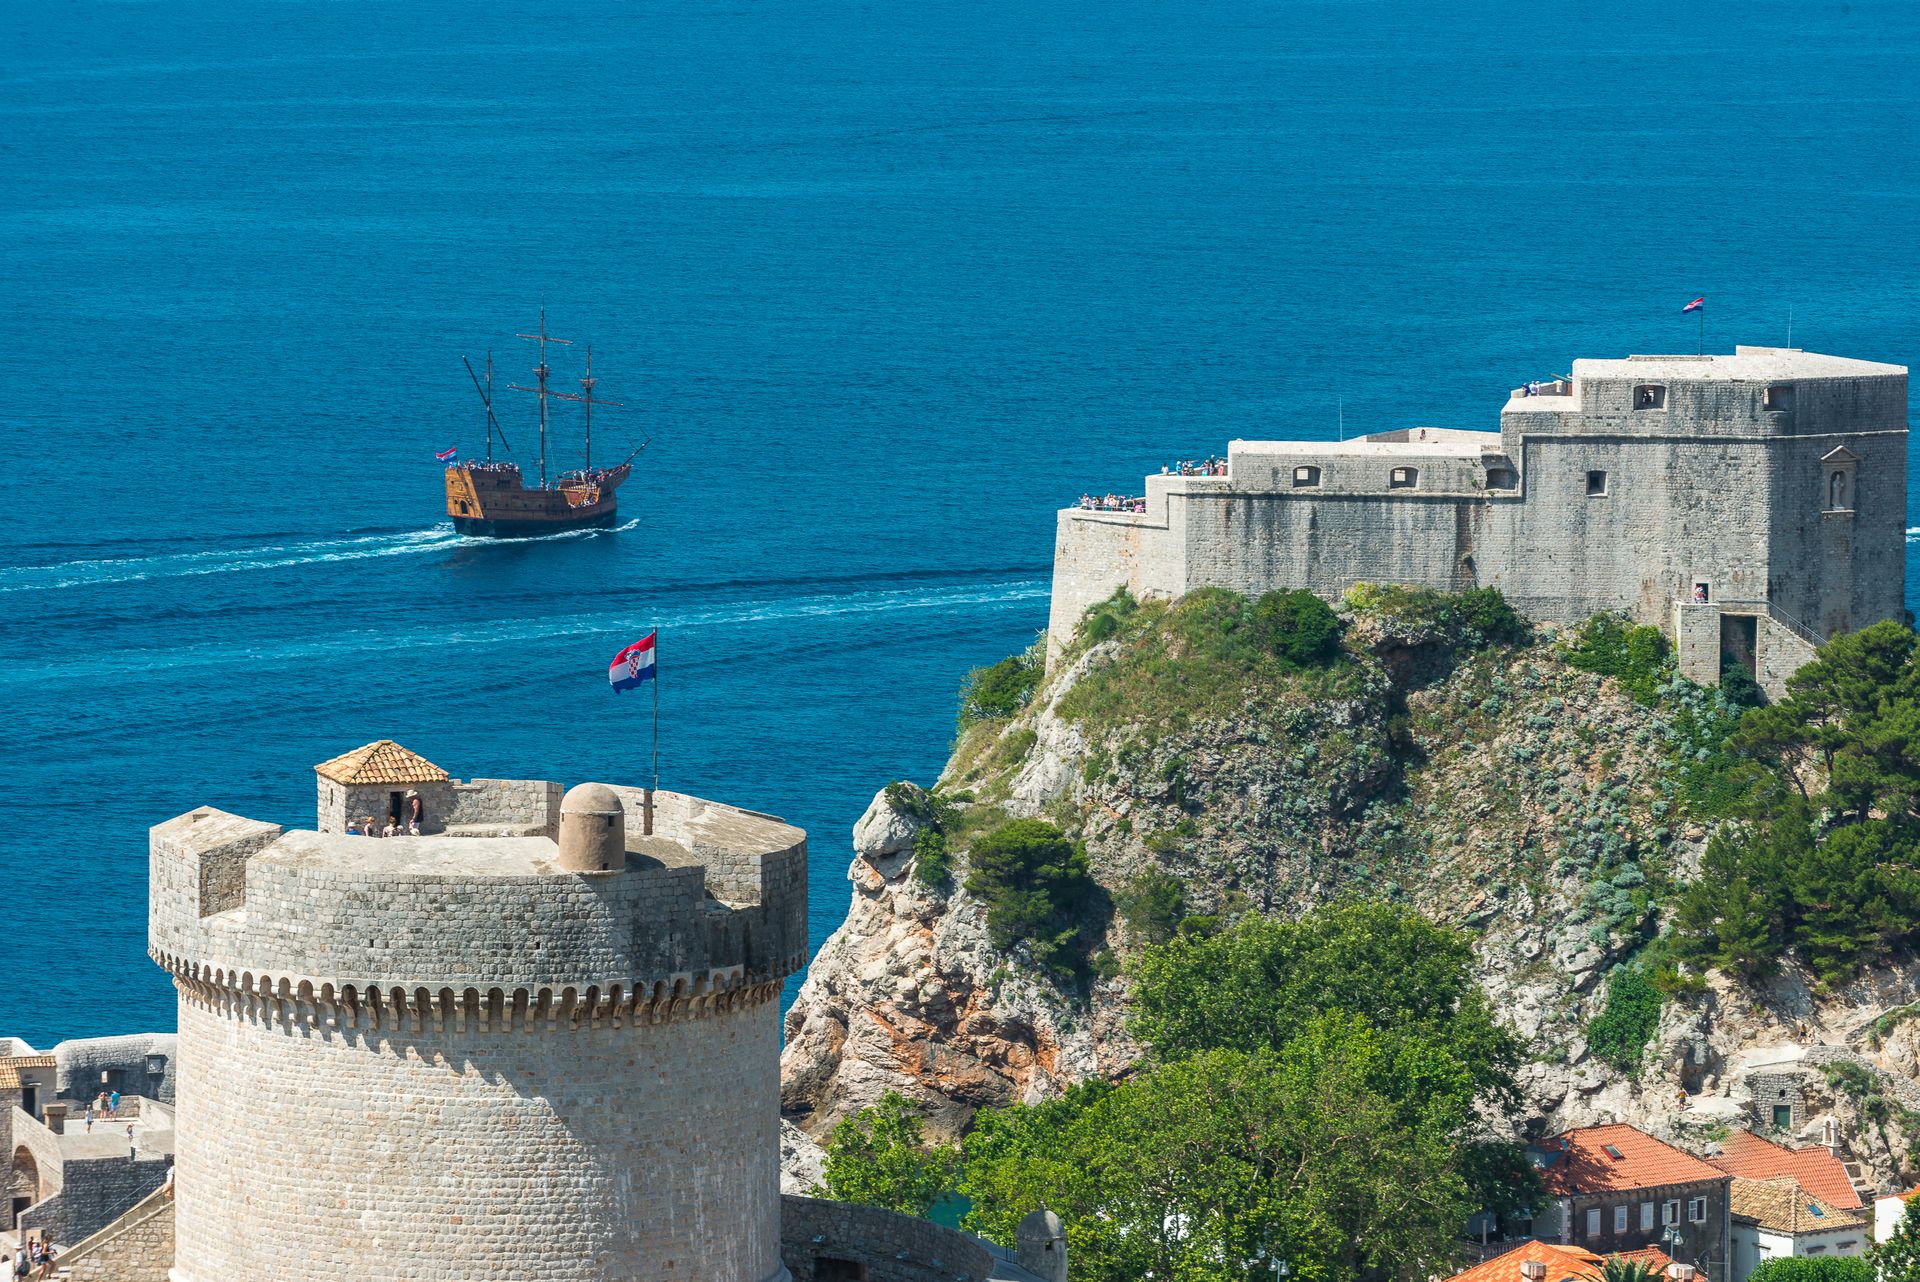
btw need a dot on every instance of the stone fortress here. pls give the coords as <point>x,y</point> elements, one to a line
<point>539,1040</point>
<point>1750,506</point>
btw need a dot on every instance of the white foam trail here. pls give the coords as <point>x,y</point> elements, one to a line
<point>279,556</point>
<point>338,646</point>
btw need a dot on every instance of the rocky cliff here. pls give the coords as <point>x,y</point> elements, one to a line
<point>1495,786</point>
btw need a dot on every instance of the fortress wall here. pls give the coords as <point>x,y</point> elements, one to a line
<point>1094,555</point>
<point>1837,571</point>
<point>1348,471</point>
<point>509,805</point>
<point>196,864</point>
<point>878,1239</point>
<point>80,1061</point>
<point>1255,543</point>
<point>310,919</point>
<point>1674,510</point>
<point>1841,405</point>
<point>640,1152</point>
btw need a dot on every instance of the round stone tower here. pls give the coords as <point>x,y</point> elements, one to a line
<point>481,1057</point>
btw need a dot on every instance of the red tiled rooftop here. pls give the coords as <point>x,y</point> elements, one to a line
<point>1818,1171</point>
<point>1562,1262</point>
<point>1587,1162</point>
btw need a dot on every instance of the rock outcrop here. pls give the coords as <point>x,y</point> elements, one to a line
<point>1498,789</point>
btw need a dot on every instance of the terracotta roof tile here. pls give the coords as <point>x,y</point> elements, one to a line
<point>1562,1262</point>
<point>1780,1204</point>
<point>1616,1158</point>
<point>11,1065</point>
<point>1660,1260</point>
<point>382,761</point>
<point>1819,1172</point>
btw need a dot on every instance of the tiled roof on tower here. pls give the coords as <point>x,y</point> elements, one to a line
<point>382,761</point>
<point>1818,1171</point>
<point>1611,1159</point>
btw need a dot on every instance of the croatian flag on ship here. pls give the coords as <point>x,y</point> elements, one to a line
<point>446,456</point>
<point>632,665</point>
<point>1696,305</point>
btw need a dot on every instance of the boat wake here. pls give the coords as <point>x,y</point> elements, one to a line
<point>726,623</point>
<point>282,555</point>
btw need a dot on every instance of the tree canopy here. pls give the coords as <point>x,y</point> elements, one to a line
<point>880,1157</point>
<point>1250,987</point>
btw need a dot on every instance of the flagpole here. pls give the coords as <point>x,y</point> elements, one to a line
<point>656,732</point>
<point>1703,329</point>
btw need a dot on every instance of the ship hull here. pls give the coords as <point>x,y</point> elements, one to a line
<point>489,501</point>
<point>481,527</point>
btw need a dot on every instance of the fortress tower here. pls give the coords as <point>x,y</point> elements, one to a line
<point>1750,505</point>
<point>540,1042</point>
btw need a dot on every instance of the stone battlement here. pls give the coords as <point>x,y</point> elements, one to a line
<point>464,924</point>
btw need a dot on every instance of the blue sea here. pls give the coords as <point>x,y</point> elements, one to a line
<point>884,284</point>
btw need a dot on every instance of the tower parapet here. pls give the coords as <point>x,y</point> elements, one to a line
<point>583,1023</point>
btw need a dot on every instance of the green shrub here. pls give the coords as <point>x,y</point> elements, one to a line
<point>1297,626</point>
<point>1037,889</point>
<point>1470,620</point>
<point>1153,906</point>
<point>1831,1268</point>
<point>1619,1035</point>
<point>1610,645</point>
<point>932,861</point>
<point>1000,690</point>
<point>1103,622</point>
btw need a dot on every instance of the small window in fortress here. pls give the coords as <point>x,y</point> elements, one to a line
<point>1650,396</point>
<point>1501,478</point>
<point>1597,484</point>
<point>1403,478</point>
<point>1777,397</point>
<point>1305,476</point>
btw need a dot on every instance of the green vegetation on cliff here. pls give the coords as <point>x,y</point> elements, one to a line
<point>1823,858</point>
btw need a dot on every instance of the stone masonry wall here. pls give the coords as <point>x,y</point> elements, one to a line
<point>510,805</point>
<point>138,1247</point>
<point>95,1192</point>
<point>876,1238</point>
<point>643,1152</point>
<point>81,1061</point>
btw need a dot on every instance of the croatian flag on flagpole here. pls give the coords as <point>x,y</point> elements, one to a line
<point>1695,305</point>
<point>632,665</point>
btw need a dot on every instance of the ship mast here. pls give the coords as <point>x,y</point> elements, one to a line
<point>486,406</point>
<point>588,400</point>
<point>540,373</point>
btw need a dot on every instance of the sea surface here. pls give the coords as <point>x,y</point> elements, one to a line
<point>885,284</point>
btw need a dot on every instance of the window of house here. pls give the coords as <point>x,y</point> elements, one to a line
<point>1403,478</point>
<point>1646,1217</point>
<point>1593,1222</point>
<point>1777,397</point>
<point>1696,1210</point>
<point>1596,484</point>
<point>1670,1212</point>
<point>1650,396</point>
<point>1619,1219</point>
<point>1305,476</point>
<point>1815,1250</point>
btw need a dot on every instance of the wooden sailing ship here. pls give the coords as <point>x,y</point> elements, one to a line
<point>491,499</point>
